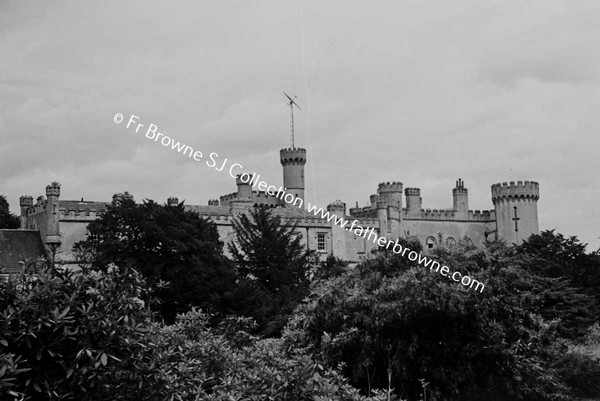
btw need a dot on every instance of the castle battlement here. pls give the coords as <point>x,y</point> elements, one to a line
<point>393,186</point>
<point>26,201</point>
<point>450,215</point>
<point>412,192</point>
<point>482,215</point>
<point>529,190</point>
<point>292,156</point>
<point>228,197</point>
<point>53,189</point>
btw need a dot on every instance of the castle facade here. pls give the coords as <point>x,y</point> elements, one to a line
<point>392,212</point>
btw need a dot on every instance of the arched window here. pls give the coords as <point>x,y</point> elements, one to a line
<point>450,242</point>
<point>468,241</point>
<point>430,243</point>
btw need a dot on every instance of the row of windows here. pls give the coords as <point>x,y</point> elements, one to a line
<point>431,242</point>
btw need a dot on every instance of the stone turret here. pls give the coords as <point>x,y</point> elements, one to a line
<point>460,200</point>
<point>413,201</point>
<point>52,238</point>
<point>293,161</point>
<point>244,190</point>
<point>173,201</point>
<point>373,200</point>
<point>390,192</point>
<point>25,202</point>
<point>516,210</point>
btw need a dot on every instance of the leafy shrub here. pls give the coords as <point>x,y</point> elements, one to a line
<point>67,336</point>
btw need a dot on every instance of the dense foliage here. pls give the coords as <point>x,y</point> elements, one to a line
<point>167,244</point>
<point>7,219</point>
<point>396,324</point>
<point>385,327</point>
<point>71,336</point>
<point>87,336</point>
<point>274,268</point>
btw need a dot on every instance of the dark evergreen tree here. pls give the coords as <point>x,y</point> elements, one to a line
<point>273,267</point>
<point>168,244</point>
<point>574,296</point>
<point>7,219</point>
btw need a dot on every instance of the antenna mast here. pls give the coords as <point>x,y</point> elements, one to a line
<point>292,103</point>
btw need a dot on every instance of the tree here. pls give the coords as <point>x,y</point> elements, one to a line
<point>165,243</point>
<point>384,316</point>
<point>88,336</point>
<point>575,296</point>
<point>7,219</point>
<point>273,268</point>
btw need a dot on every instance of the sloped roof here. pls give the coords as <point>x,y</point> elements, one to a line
<point>83,206</point>
<point>19,245</point>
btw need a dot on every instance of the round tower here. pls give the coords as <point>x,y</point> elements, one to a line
<point>516,210</point>
<point>25,202</point>
<point>391,192</point>
<point>413,201</point>
<point>293,161</point>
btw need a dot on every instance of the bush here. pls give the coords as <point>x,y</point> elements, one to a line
<point>88,336</point>
<point>72,336</point>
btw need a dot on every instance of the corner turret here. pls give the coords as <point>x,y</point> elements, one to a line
<point>390,192</point>
<point>52,238</point>
<point>516,210</point>
<point>244,190</point>
<point>25,202</point>
<point>413,201</point>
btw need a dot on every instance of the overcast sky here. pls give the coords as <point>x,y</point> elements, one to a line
<point>420,92</point>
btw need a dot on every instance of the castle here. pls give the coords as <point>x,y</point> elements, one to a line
<point>393,212</point>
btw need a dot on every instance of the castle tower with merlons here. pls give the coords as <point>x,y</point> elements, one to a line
<point>293,161</point>
<point>515,205</point>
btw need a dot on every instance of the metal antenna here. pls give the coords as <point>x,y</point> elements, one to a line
<point>292,104</point>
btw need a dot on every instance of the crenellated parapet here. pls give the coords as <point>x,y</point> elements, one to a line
<point>53,189</point>
<point>173,201</point>
<point>526,190</point>
<point>450,215</point>
<point>289,156</point>
<point>389,186</point>
<point>482,215</point>
<point>412,191</point>
<point>438,214</point>
<point>364,212</point>
<point>26,201</point>
<point>228,197</point>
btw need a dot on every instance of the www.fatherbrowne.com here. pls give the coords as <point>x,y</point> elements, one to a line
<point>236,169</point>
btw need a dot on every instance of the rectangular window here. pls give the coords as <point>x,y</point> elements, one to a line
<point>321,244</point>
